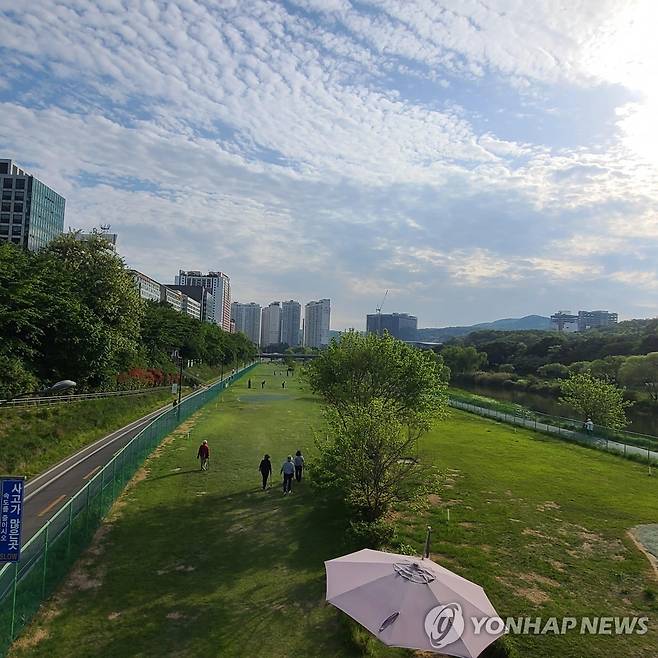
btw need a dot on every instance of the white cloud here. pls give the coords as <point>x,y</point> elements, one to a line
<point>318,149</point>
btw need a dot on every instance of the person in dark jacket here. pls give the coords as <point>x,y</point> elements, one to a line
<point>204,455</point>
<point>299,465</point>
<point>265,469</point>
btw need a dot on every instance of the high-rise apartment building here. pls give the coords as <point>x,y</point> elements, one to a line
<point>219,285</point>
<point>270,326</point>
<point>191,306</point>
<point>568,322</point>
<point>399,325</point>
<point>148,288</point>
<point>172,297</point>
<point>291,316</point>
<point>109,238</point>
<point>152,291</point>
<point>31,214</point>
<point>203,297</point>
<point>595,319</point>
<point>564,321</point>
<point>247,320</point>
<point>317,315</point>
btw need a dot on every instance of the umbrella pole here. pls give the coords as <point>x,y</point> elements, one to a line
<point>426,552</point>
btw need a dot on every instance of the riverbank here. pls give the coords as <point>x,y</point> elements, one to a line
<point>539,523</point>
<point>643,415</point>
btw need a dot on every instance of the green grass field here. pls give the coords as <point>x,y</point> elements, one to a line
<point>207,564</point>
<point>34,438</point>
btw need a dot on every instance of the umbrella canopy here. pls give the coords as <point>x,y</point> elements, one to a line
<point>413,603</point>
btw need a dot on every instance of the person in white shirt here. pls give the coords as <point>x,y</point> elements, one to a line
<point>288,470</point>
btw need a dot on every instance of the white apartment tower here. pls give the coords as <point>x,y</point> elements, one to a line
<point>247,320</point>
<point>220,285</point>
<point>291,314</point>
<point>316,323</point>
<point>270,326</point>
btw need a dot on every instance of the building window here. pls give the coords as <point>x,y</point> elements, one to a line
<point>18,207</point>
<point>4,217</point>
<point>6,206</point>
<point>18,218</point>
<point>16,240</point>
<point>20,184</point>
<point>8,183</point>
<point>4,167</point>
<point>6,195</point>
<point>19,196</point>
<point>16,230</point>
<point>4,230</point>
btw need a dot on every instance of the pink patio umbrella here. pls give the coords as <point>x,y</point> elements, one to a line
<point>413,603</point>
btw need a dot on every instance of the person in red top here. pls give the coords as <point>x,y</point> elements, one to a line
<point>204,455</point>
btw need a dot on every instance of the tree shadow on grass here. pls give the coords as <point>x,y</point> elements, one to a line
<point>215,575</point>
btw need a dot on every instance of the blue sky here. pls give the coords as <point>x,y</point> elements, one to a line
<point>477,159</point>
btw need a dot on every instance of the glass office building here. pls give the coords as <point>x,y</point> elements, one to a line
<point>399,325</point>
<point>31,214</point>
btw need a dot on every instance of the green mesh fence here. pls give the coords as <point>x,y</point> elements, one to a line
<point>48,556</point>
<point>639,447</point>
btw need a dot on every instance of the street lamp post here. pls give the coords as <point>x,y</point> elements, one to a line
<point>180,379</point>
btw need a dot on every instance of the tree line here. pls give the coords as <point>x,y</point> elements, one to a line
<point>72,311</point>
<point>626,355</point>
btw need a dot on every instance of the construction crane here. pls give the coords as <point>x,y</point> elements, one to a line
<point>379,308</point>
<point>379,314</point>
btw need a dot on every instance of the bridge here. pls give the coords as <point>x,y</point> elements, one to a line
<point>271,356</point>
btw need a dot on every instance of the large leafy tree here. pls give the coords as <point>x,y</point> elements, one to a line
<point>95,308</point>
<point>596,399</point>
<point>71,311</point>
<point>462,359</point>
<point>20,318</point>
<point>380,397</point>
<point>641,372</point>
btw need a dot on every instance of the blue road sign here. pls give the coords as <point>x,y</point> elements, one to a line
<point>11,518</point>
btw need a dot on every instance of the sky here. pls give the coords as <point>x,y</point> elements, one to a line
<point>477,159</point>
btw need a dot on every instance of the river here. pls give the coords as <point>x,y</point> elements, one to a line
<point>641,421</point>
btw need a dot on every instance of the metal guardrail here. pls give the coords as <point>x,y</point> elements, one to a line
<point>47,557</point>
<point>58,399</point>
<point>551,425</point>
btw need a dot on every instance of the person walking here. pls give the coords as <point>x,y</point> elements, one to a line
<point>299,465</point>
<point>589,427</point>
<point>288,470</point>
<point>204,455</point>
<point>262,384</point>
<point>265,469</point>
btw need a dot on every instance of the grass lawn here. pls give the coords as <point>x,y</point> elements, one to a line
<point>207,564</point>
<point>34,438</point>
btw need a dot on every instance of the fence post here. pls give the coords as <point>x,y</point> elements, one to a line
<point>68,539</point>
<point>100,509</point>
<point>13,602</point>
<point>87,509</point>
<point>114,478</point>
<point>45,562</point>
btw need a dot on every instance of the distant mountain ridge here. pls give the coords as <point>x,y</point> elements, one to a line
<point>528,322</point>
